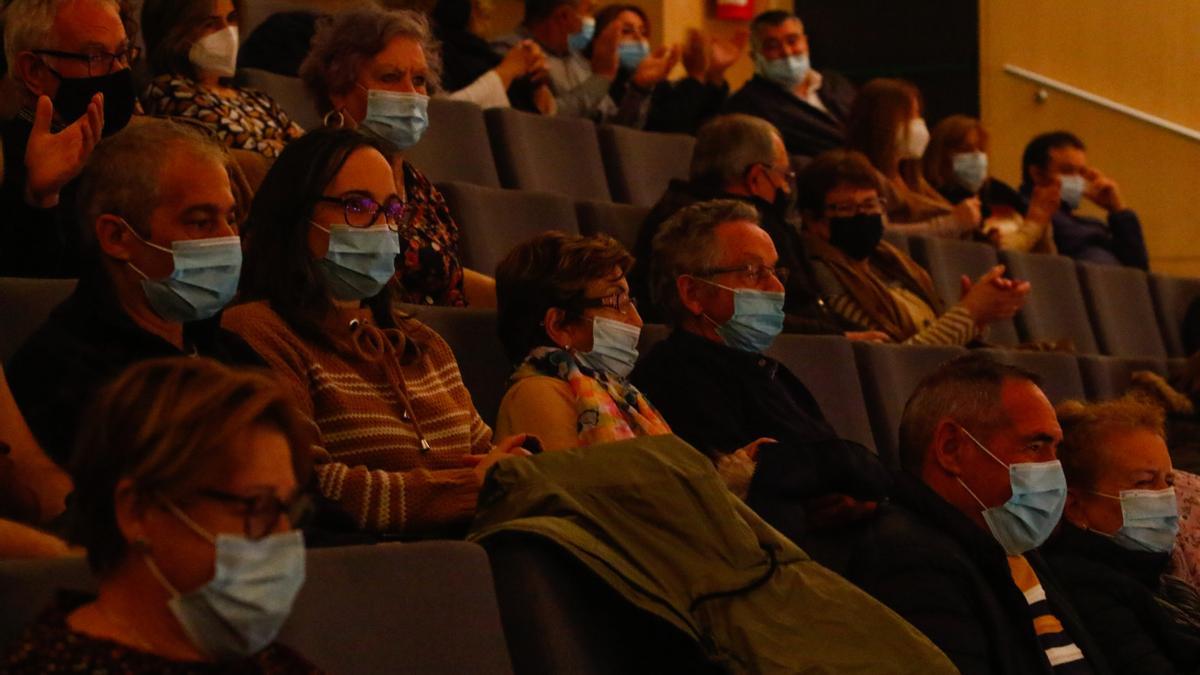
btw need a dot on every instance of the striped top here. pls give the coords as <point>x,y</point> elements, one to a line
<point>394,417</point>
<point>955,327</point>
<point>1063,654</point>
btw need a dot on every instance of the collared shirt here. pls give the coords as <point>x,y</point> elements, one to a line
<point>815,80</point>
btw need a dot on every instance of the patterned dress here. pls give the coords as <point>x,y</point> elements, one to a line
<point>248,120</point>
<point>432,273</point>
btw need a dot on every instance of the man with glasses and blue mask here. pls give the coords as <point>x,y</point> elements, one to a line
<point>158,218</point>
<point>1058,160</point>
<point>955,551</point>
<point>717,275</point>
<point>70,63</point>
<point>808,107</point>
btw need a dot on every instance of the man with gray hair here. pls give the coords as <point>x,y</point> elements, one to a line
<point>717,274</point>
<point>68,61</point>
<point>955,551</point>
<point>157,215</point>
<point>808,107</point>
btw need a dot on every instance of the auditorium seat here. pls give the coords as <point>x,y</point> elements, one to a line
<point>425,607</point>
<point>1122,311</point>
<point>24,306</point>
<point>1059,373</point>
<point>493,221</point>
<point>619,221</point>
<point>455,147</point>
<point>472,336</point>
<point>640,164</point>
<point>256,12</point>
<point>1054,308</point>
<point>825,364</point>
<point>547,154</point>
<point>288,92</point>
<point>1106,377</point>
<point>1172,298</point>
<point>947,260</point>
<point>889,374</point>
<point>899,240</point>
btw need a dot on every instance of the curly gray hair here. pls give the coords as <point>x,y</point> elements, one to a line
<point>342,43</point>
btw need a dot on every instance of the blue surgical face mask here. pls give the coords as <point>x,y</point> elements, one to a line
<point>971,170</point>
<point>1150,520</point>
<point>787,71</point>
<point>633,53</point>
<point>1071,190</point>
<point>579,41</point>
<point>241,609</point>
<point>397,116</point>
<point>614,347</point>
<point>1026,520</point>
<point>360,261</point>
<point>204,280</point>
<point>757,318</point>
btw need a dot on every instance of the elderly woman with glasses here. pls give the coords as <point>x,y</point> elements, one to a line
<point>873,285</point>
<point>188,480</point>
<point>402,449</point>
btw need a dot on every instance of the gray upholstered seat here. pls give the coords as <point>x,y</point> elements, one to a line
<point>947,260</point>
<point>619,221</point>
<point>1054,309</point>
<point>455,146</point>
<point>547,154</point>
<point>1121,310</point>
<point>640,164</point>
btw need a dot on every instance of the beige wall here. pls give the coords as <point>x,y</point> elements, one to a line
<point>1142,54</point>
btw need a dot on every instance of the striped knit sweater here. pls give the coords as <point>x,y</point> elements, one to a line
<point>377,400</point>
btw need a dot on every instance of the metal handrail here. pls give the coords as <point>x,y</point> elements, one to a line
<point>1102,101</point>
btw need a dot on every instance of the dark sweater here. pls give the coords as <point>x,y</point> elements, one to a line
<point>806,129</point>
<point>1117,241</point>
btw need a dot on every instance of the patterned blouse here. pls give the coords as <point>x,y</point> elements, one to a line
<point>432,274</point>
<point>247,120</point>
<point>50,646</point>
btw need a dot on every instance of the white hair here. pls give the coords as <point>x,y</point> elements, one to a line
<point>27,26</point>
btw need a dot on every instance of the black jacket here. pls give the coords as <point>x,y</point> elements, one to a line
<point>679,107</point>
<point>1118,240</point>
<point>806,129</point>
<point>1114,591</point>
<point>806,312</point>
<point>951,580</point>
<point>86,341</point>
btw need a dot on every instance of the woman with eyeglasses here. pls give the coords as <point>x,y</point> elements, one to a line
<point>187,492</point>
<point>401,449</point>
<point>193,47</point>
<point>873,285</point>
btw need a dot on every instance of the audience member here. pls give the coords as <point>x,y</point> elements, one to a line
<point>158,215</point>
<point>809,108</point>
<point>69,62</point>
<point>956,165</point>
<point>187,480</point>
<point>1120,526</point>
<point>885,124</point>
<point>373,69</point>
<point>193,49</point>
<point>280,43</point>
<point>401,448</point>
<point>875,286</point>
<point>472,71</point>
<point>955,551</point>
<point>1058,159</point>
<point>742,157</point>
<point>716,272</point>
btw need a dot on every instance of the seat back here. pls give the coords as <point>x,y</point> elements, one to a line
<point>257,12</point>
<point>288,92</point>
<point>1122,311</point>
<point>889,374</point>
<point>24,306</point>
<point>1055,308</point>
<point>947,260</point>
<point>493,221</point>
<point>825,364</point>
<point>456,145</point>
<point>1106,377</point>
<point>548,154</point>
<point>619,221</point>
<point>471,334</point>
<point>640,164</point>
<point>1059,373</point>
<point>899,240</point>
<point>1173,296</point>
<point>28,587</point>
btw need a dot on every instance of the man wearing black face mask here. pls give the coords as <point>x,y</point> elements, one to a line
<point>69,59</point>
<point>743,157</point>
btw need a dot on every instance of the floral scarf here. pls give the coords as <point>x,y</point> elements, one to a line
<point>610,408</point>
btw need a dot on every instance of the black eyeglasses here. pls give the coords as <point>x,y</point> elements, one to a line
<point>620,301</point>
<point>262,511</point>
<point>750,273</point>
<point>871,206</point>
<point>362,212</point>
<point>98,62</point>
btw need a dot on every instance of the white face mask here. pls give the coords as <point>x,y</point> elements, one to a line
<point>216,52</point>
<point>913,139</point>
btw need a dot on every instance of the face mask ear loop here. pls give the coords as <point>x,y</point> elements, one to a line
<point>989,453</point>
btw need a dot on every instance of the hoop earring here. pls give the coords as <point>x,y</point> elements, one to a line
<point>332,115</point>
